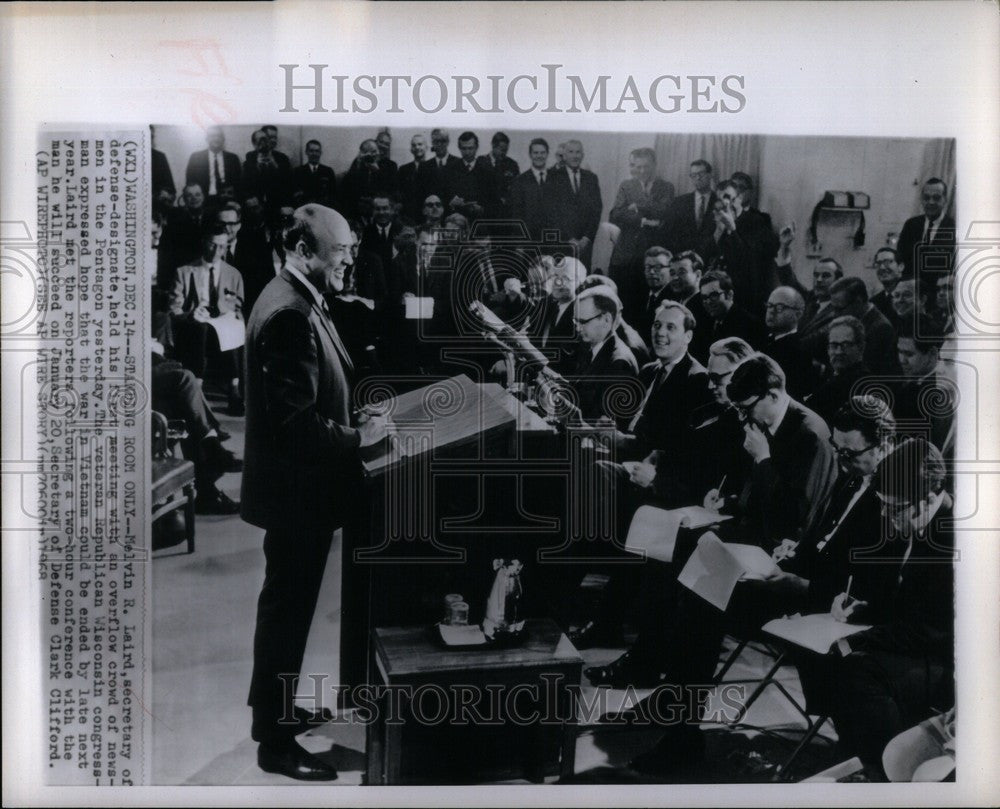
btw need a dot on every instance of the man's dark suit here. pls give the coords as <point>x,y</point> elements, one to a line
<point>902,668</point>
<point>180,243</point>
<point>557,333</point>
<point>790,489</point>
<point>576,214</point>
<point>502,173</point>
<point>634,239</point>
<point>373,241</point>
<point>532,203</point>
<point>434,179</point>
<point>748,256</point>
<point>279,157</point>
<point>252,257</point>
<point>473,185</point>
<point>596,376</point>
<point>268,182</point>
<point>787,350</point>
<point>362,181</point>
<point>834,391</point>
<point>408,182</point>
<point>301,478</point>
<point>198,170</point>
<point>665,421</point>
<point>880,342</point>
<point>927,262</point>
<point>315,185</point>
<point>684,231</point>
<point>736,323</point>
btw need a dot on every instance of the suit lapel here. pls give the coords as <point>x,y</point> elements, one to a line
<point>331,330</point>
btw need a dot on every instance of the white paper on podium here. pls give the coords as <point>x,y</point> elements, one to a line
<point>419,308</point>
<point>817,632</point>
<point>230,330</point>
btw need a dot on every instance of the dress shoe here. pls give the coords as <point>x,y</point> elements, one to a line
<point>292,760</point>
<point>215,502</point>
<point>596,633</point>
<point>624,672</point>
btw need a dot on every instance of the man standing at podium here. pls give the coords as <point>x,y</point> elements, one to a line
<point>301,470</point>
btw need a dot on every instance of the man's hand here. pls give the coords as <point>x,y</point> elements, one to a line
<point>725,220</point>
<point>755,443</point>
<point>844,607</point>
<point>787,236</point>
<point>713,500</point>
<point>642,474</point>
<point>785,550</point>
<point>372,429</point>
<point>201,314</point>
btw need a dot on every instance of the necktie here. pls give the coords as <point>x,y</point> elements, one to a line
<point>576,181</point>
<point>550,322</point>
<point>701,209</point>
<point>835,512</point>
<point>658,377</point>
<point>645,188</point>
<point>541,178</point>
<point>213,292</point>
<point>440,162</point>
<point>229,256</point>
<point>928,226</point>
<point>216,175</point>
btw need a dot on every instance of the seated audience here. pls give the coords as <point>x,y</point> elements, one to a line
<point>781,316</point>
<point>849,296</point>
<point>656,268</point>
<point>889,271</point>
<point>203,291</point>
<point>723,316</point>
<point>880,681</point>
<point>846,368</point>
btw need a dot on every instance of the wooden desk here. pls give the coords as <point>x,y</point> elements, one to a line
<point>408,660</point>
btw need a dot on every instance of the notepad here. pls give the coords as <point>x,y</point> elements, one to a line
<point>461,635</point>
<point>817,632</point>
<point>653,532</point>
<point>230,330</point>
<point>716,566</point>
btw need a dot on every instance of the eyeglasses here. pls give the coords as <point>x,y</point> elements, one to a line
<point>848,454</point>
<point>841,346</point>
<point>711,297</point>
<point>696,174</point>
<point>780,308</point>
<point>884,262</point>
<point>745,409</point>
<point>586,320</point>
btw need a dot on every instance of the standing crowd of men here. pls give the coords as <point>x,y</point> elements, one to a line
<point>820,407</point>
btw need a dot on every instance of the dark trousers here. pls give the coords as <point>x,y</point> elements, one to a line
<point>873,696</point>
<point>197,343</point>
<point>295,561</point>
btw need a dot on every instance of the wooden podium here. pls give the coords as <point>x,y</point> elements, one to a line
<point>444,496</point>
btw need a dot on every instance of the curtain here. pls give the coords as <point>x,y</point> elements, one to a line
<point>726,153</point>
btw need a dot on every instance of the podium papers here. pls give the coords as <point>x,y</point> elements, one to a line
<point>449,413</point>
<point>817,632</point>
<point>716,566</point>
<point>419,308</point>
<point>230,330</point>
<point>653,531</point>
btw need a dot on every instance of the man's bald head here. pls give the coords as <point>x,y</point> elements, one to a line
<point>318,245</point>
<point>784,309</point>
